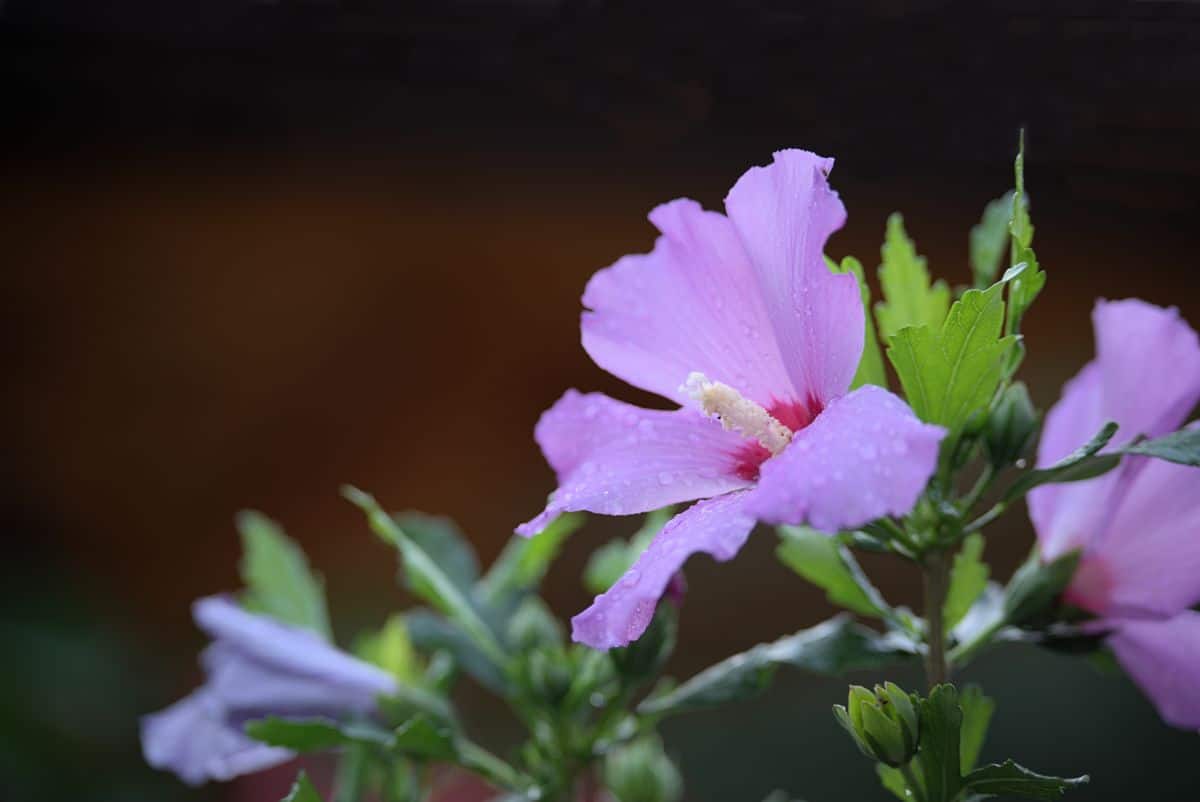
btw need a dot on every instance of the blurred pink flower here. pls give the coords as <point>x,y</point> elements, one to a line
<point>255,667</point>
<point>1138,526</point>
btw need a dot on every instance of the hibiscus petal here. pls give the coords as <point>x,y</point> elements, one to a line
<point>1065,516</point>
<point>282,650</point>
<point>718,527</point>
<point>1163,657</point>
<point>1146,377</point>
<point>251,688</point>
<point>618,459</point>
<point>192,739</point>
<point>1148,557</point>
<point>784,213</point>
<point>864,457</point>
<point>1149,361</point>
<point>691,304</point>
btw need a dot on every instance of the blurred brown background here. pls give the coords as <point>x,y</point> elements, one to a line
<point>254,250</point>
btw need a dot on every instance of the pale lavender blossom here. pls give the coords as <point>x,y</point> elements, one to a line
<point>1137,527</point>
<point>737,318</point>
<point>255,667</point>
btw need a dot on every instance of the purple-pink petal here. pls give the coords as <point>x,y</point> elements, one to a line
<point>784,213</point>
<point>1163,657</point>
<point>867,455</point>
<point>1145,560</point>
<point>1065,516</point>
<point>694,303</point>
<point>1146,378</point>
<point>269,649</point>
<point>618,459</point>
<point>717,527</point>
<point>256,667</point>
<point>193,739</point>
<point>1149,361</point>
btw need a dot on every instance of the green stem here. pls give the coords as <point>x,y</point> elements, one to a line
<point>351,775</point>
<point>981,486</point>
<point>898,534</point>
<point>983,520</point>
<point>937,573</point>
<point>474,757</point>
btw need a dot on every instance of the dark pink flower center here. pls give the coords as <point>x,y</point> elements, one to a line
<point>796,414</point>
<point>748,458</point>
<point>793,414</point>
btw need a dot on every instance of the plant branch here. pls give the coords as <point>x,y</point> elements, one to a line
<point>474,757</point>
<point>983,520</point>
<point>937,571</point>
<point>986,477</point>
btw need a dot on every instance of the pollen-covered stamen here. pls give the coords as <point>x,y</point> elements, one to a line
<point>738,413</point>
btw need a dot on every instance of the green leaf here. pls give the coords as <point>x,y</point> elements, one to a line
<point>391,649</point>
<point>428,580</point>
<point>951,373</point>
<point>870,365</point>
<point>419,737</point>
<point>1011,778</point>
<point>1026,287</point>
<point>1020,226</point>
<point>606,565</point>
<point>832,647</point>
<point>909,299</point>
<point>968,578</point>
<point>302,790</point>
<point>893,780</point>
<point>278,581</point>
<point>1182,447</point>
<point>1011,425</point>
<point>444,542</point>
<point>977,715</point>
<point>315,734</point>
<point>941,737</point>
<point>829,565</point>
<point>610,562</point>
<point>432,633</point>
<point>423,739</point>
<point>1082,463</point>
<point>1036,584</point>
<point>988,239</point>
<point>520,567</point>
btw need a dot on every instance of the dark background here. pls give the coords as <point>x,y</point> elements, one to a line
<point>254,250</point>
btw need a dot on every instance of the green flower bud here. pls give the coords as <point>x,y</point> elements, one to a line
<point>642,659</point>
<point>1035,587</point>
<point>640,771</point>
<point>884,723</point>
<point>533,626</point>
<point>591,672</point>
<point>548,676</point>
<point>1010,427</point>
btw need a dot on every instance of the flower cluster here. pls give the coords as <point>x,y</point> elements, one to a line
<point>774,363</point>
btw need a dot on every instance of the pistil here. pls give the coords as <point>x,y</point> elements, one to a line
<point>737,413</point>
